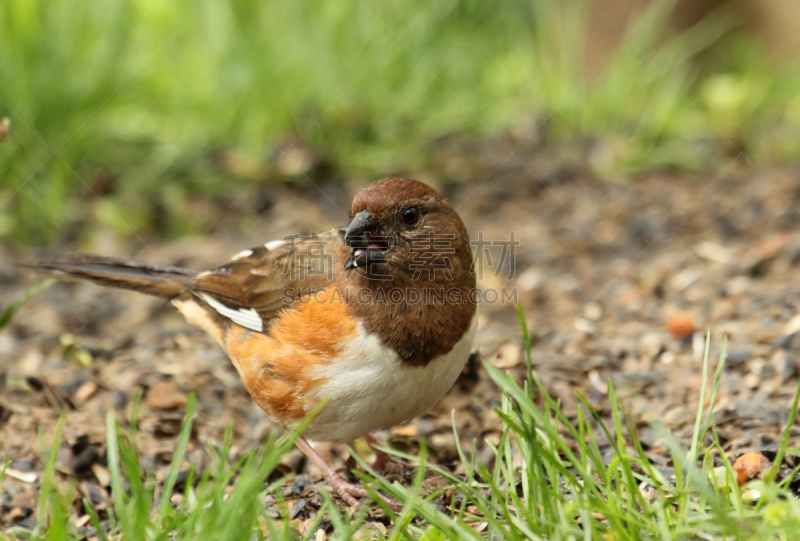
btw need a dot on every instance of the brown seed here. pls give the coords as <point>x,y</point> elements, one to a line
<point>750,466</point>
<point>85,392</point>
<point>681,325</point>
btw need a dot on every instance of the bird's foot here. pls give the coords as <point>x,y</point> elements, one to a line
<point>349,492</point>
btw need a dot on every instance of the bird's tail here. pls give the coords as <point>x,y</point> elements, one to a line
<point>159,280</point>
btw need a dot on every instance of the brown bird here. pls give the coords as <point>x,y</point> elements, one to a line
<point>374,321</point>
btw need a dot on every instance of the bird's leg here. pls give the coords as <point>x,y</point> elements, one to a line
<point>384,462</point>
<point>348,491</point>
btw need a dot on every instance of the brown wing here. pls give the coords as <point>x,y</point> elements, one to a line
<point>260,282</point>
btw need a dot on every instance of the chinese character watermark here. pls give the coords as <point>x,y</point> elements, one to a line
<point>505,260</point>
<point>429,260</point>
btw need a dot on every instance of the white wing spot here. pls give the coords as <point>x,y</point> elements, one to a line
<point>274,244</point>
<point>243,254</point>
<point>245,317</point>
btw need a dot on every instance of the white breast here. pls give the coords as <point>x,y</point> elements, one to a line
<point>369,388</point>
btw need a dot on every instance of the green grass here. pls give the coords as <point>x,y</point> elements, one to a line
<point>6,314</point>
<point>564,488</point>
<point>125,112</point>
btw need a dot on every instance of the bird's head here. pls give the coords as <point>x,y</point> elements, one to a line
<point>400,227</point>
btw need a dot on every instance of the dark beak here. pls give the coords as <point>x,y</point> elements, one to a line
<point>358,236</point>
<point>361,223</point>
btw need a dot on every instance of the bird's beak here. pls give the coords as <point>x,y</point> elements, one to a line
<point>361,223</point>
<point>366,246</point>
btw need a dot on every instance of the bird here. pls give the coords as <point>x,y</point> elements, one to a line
<point>369,325</point>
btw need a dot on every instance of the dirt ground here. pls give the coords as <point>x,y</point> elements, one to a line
<point>600,270</point>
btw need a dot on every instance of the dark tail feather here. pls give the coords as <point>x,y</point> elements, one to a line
<point>158,280</point>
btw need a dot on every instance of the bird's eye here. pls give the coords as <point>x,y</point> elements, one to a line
<point>411,215</point>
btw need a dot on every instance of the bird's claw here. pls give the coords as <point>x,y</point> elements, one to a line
<point>349,492</point>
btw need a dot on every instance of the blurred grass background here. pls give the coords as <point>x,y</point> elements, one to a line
<point>123,111</point>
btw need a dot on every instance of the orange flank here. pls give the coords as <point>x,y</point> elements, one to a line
<point>276,366</point>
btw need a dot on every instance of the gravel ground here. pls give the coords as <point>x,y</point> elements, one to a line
<point>617,280</point>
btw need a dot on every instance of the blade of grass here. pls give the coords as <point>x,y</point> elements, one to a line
<point>174,468</point>
<point>694,449</point>
<point>8,313</point>
<point>526,339</point>
<point>95,520</point>
<point>47,491</point>
<point>785,435</point>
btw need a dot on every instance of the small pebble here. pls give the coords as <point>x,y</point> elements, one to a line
<point>165,395</point>
<point>299,484</point>
<point>737,357</point>
<point>95,493</point>
<point>426,426</point>
<point>597,383</point>
<point>21,465</point>
<point>298,507</point>
<point>273,513</point>
<point>762,368</point>
<point>180,480</point>
<point>507,356</point>
<point>684,279</point>
<point>793,253</point>
<point>651,345</point>
<point>784,364</point>
<point>784,342</point>
<point>83,462</point>
<point>792,326</point>
<point>27,523</point>
<point>698,346</point>
<point>119,398</point>
<point>593,311</point>
<point>585,326</point>
<point>149,461</point>
<point>752,380</point>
